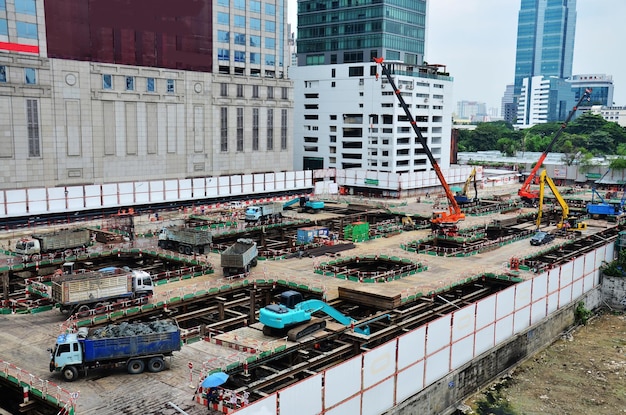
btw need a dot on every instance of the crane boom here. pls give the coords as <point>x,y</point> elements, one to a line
<point>454,211</point>
<point>524,192</point>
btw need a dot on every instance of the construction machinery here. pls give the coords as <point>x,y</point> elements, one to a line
<point>265,211</point>
<point>52,242</point>
<point>566,223</point>
<point>185,240</point>
<point>454,214</point>
<point>239,257</point>
<point>462,197</point>
<point>604,208</point>
<point>530,196</point>
<point>305,204</point>
<point>294,317</point>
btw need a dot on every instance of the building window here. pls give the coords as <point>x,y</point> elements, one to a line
<point>223,54</point>
<point>255,91</point>
<point>270,26</point>
<point>270,43</point>
<point>3,27</point>
<point>3,5</point>
<point>270,9</point>
<point>255,6</point>
<point>223,36</point>
<point>240,39</point>
<point>239,21</point>
<point>25,6</point>
<point>223,90</point>
<point>240,4</point>
<point>3,73</point>
<point>255,129</point>
<point>283,129</point>
<point>107,81</point>
<point>240,91</point>
<point>224,3</point>
<point>130,83</point>
<point>224,129</point>
<point>26,30</point>
<point>32,120</point>
<point>255,58</point>
<point>239,129</point>
<point>284,92</point>
<point>223,18</point>
<point>270,92</point>
<point>150,84</point>
<point>270,59</point>
<point>270,129</point>
<point>170,86</point>
<point>255,24</point>
<point>255,40</point>
<point>30,76</point>
<point>240,56</point>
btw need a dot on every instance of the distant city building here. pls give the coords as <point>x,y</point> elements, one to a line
<point>471,109</point>
<point>508,110</point>
<point>611,114</point>
<point>544,99</point>
<point>601,85</point>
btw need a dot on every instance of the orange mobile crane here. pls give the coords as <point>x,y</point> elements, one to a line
<point>454,214</point>
<point>530,196</point>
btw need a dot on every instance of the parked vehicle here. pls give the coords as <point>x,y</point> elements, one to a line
<point>137,346</point>
<point>541,238</point>
<point>185,240</point>
<point>239,257</point>
<point>79,293</point>
<point>51,242</point>
<point>264,211</point>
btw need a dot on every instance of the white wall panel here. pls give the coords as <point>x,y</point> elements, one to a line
<point>521,320</point>
<point>540,286</point>
<point>567,274</point>
<point>590,262</point>
<point>485,311</point>
<point>553,302</point>
<point>211,186</point>
<point>56,198</point>
<point>16,202</point>
<point>554,280</point>
<point>156,191</point>
<point>379,363</point>
<point>109,195</point>
<point>126,191</point>
<point>438,334</point>
<point>280,180</point>
<point>437,365</point>
<point>199,188</point>
<point>577,288</point>
<point>184,189</point>
<point>590,281</point>
<point>223,185</point>
<point>142,192</point>
<point>538,310</point>
<point>578,268</point>
<point>411,347</point>
<point>92,196</point>
<point>378,399</point>
<point>236,185</point>
<point>523,294</point>
<point>600,253</point>
<point>265,406</point>
<point>247,184</point>
<point>269,179</point>
<point>565,296</point>
<point>463,322</point>
<point>484,339</point>
<point>353,406</point>
<point>505,302</point>
<point>410,381</point>
<point>171,190</point>
<point>37,200</point>
<point>609,254</point>
<point>343,381</point>
<point>303,398</point>
<point>3,211</point>
<point>259,183</point>
<point>504,329</point>
<point>462,352</point>
<point>300,179</point>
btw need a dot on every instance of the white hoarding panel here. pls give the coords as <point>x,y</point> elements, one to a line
<point>92,196</point>
<point>590,281</point>
<point>353,406</point>
<point>609,255</point>
<point>37,200</point>
<point>341,383</point>
<point>437,365</point>
<point>521,319</point>
<point>540,286</point>
<point>236,186</point>
<point>303,398</point>
<point>553,302</point>
<point>126,191</point>
<point>259,183</point>
<point>463,322</point>
<point>600,253</point>
<point>198,187</point>
<point>269,182</point>
<point>2,205</point>
<point>223,191</point>
<point>554,277</point>
<point>16,202</point>
<point>485,311</point>
<point>109,195</point>
<point>184,189</point>
<point>538,310</point>
<point>505,302</point>
<point>504,329</point>
<point>75,197</point>
<point>142,192</point>
<point>565,296</point>
<point>410,381</point>
<point>266,406</point>
<point>211,187</point>
<point>567,272</point>
<point>156,191</point>
<point>411,347</point>
<point>590,263</point>
<point>280,180</point>
<point>484,339</point>
<point>378,399</point>
<point>57,197</point>
<point>577,288</point>
<point>578,268</point>
<point>522,294</point>
<point>171,190</point>
<point>379,363</point>
<point>438,334</point>
<point>462,352</point>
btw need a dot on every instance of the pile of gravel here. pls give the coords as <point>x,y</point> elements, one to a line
<point>133,329</point>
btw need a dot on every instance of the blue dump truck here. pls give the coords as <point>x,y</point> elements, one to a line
<point>137,346</point>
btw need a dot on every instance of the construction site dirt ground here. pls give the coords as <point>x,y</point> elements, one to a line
<point>583,372</point>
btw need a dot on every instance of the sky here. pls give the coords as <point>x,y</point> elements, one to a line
<point>476,40</point>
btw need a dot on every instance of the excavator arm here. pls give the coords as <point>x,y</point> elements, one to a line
<point>454,213</point>
<point>525,192</point>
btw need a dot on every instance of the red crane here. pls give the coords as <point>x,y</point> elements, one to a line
<point>528,195</point>
<point>454,214</point>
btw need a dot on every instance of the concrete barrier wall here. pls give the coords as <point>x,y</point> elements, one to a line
<point>432,368</point>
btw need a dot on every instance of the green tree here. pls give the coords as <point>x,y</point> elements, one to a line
<point>600,142</point>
